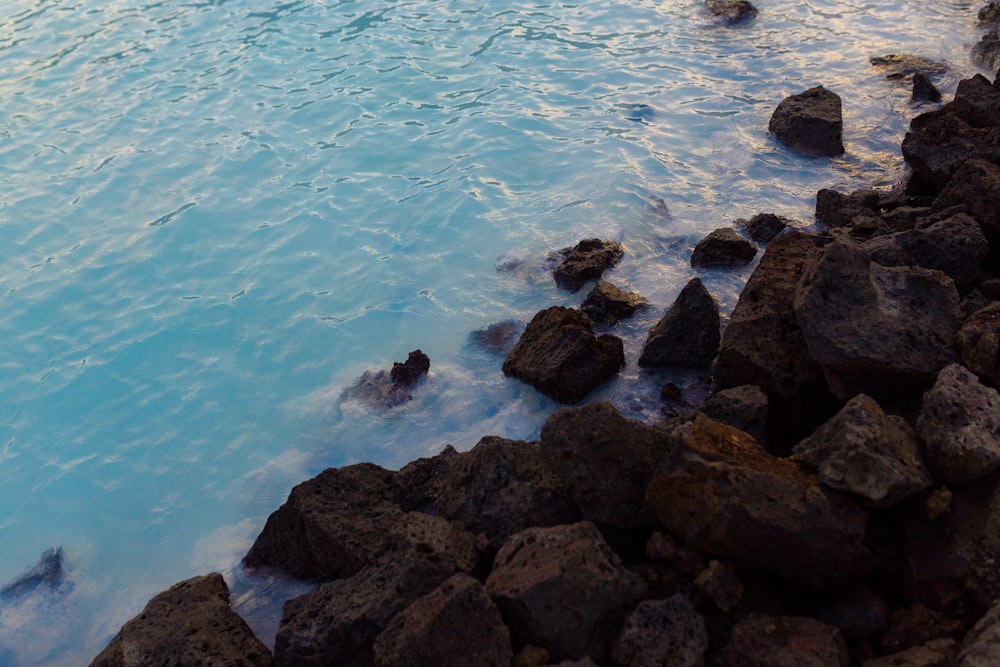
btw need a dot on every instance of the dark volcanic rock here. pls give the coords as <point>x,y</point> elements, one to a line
<point>562,588</point>
<point>981,646</point>
<point>47,572</point>
<point>935,653</point>
<point>976,185</point>
<point>810,122</point>
<point>979,343</point>
<point>722,494</point>
<point>586,261</point>
<point>763,227</point>
<point>916,625</point>
<point>744,407</point>
<point>723,247</point>
<point>986,52</point>
<point>456,624</point>
<point>836,209</point>
<point>730,12</point>
<point>903,65</point>
<point>381,390</point>
<point>607,304</point>
<point>688,335</point>
<point>761,640</point>
<point>407,373</point>
<point>190,624</point>
<point>559,356</point>
<point>498,338</point>
<point>662,632</point>
<point>924,89</point>
<point>606,461</point>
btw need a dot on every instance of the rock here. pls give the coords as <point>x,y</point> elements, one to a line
<point>935,653</point>
<point>810,122</point>
<point>688,335</point>
<point>763,227</point>
<point>924,89</point>
<point>409,372</point>
<point>501,487</point>
<point>730,12</point>
<point>875,329</point>
<point>416,485</point>
<point>981,645</point>
<point>662,632</point>
<point>667,548</point>
<point>337,623</point>
<point>986,52</point>
<point>456,624</point>
<point>835,209</point>
<point>916,625</point>
<point>190,624</point>
<point>722,494</point>
<point>858,612</point>
<point>47,572</point>
<point>562,588</point>
<point>979,343</point>
<point>723,247</point>
<point>559,356</point>
<point>588,260</point>
<point>744,407</point>
<point>721,583</point>
<point>498,338</point>
<point>335,523</point>
<point>990,13</point>
<point>955,246</point>
<point>959,423</point>
<point>903,65</point>
<point>381,390</point>
<point>977,102</point>
<point>868,453</point>
<point>605,460</point>
<point>761,640</point>
<point>607,304</point>
<point>976,185</point>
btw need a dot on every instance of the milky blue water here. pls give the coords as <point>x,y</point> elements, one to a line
<point>214,216</point>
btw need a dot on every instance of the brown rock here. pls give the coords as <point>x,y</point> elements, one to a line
<point>723,247</point>
<point>935,653</point>
<point>976,185</point>
<point>760,640</point>
<point>810,122</point>
<point>662,632</point>
<point>587,260</point>
<point>981,647</point>
<point>721,583</point>
<point>979,343</point>
<point>688,335</point>
<point>916,625</point>
<point>940,142</point>
<point>607,304</point>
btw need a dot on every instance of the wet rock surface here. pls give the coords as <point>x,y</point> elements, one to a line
<point>608,304</point>
<point>688,335</point>
<point>730,12</point>
<point>723,247</point>
<point>587,260</point>
<point>810,122</point>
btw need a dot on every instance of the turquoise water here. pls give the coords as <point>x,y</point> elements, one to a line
<point>215,216</point>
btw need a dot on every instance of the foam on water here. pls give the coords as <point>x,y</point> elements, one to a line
<point>214,216</point>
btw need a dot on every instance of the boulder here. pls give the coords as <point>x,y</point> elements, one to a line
<point>407,374</point>
<point>915,626</point>
<point>456,624</point>
<point>562,588</point>
<point>722,494</point>
<point>924,89</point>
<point>606,461</point>
<point>662,632</point>
<point>875,329</point>
<point>559,355</point>
<point>990,13</point>
<point>835,209</point>
<point>720,582</point>
<point>761,640</point>
<point>688,335</point>
<point>981,646</point>
<point>723,247</point>
<point>744,407</point>
<point>607,304</point>
<point>868,453</point>
<point>939,142</point>
<point>587,260</point>
<point>986,52</point>
<point>935,653</point>
<point>959,424</point>
<point>190,624</point>
<point>976,185</point>
<point>763,227</point>
<point>810,122</point>
<point>501,487</point>
<point>955,245</point>
<point>381,390</point>
<point>979,343</point>
<point>416,485</point>
<point>730,12</point>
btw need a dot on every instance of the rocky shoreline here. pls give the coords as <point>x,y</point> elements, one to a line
<point>835,500</point>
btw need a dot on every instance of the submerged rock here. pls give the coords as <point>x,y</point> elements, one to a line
<point>381,390</point>
<point>688,335</point>
<point>47,572</point>
<point>587,260</point>
<point>498,338</point>
<point>730,12</point>
<point>810,122</point>
<point>607,304</point>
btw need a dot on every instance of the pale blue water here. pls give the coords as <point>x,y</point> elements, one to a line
<point>215,216</point>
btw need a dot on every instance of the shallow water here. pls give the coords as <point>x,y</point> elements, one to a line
<point>215,216</point>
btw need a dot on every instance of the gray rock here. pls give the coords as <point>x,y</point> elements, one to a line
<point>730,12</point>
<point>456,624</point>
<point>835,209</point>
<point>981,646</point>
<point>935,653</point>
<point>959,423</point>
<point>744,407</point>
<point>868,453</point>
<point>875,329</point>
<point>559,355</point>
<point>986,52</point>
<point>723,247</point>
<point>810,122</point>
<point>688,335</point>
<point>979,343</point>
<point>190,624</point>
<point>763,227</point>
<point>976,185</point>
<point>662,632</point>
<point>924,89</point>
<point>587,260</point>
<point>607,304</point>
<point>562,588</point>
<point>903,65</point>
<point>761,640</point>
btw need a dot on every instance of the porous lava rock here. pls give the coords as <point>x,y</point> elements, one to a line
<point>608,304</point>
<point>979,343</point>
<point>562,588</point>
<point>587,260</point>
<point>976,186</point>
<point>723,247</point>
<point>810,122</point>
<point>688,334</point>
<point>662,632</point>
<point>559,355</point>
<point>924,89</point>
<point>935,653</point>
<point>762,640</point>
<point>763,227</point>
<point>730,12</point>
<point>189,624</point>
<point>744,407</point>
<point>382,390</point>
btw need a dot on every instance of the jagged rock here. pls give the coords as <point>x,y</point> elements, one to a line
<point>835,209</point>
<point>607,304</point>
<point>976,185</point>
<point>990,13</point>
<point>382,390</point>
<point>981,646</point>
<point>979,343</point>
<point>986,52</point>
<point>722,494</point>
<point>415,367</point>
<point>730,12</point>
<point>416,485</point>
<point>810,122</point>
<point>935,653</point>
<point>337,623</point>
<point>924,89</point>
<point>761,640</point>
<point>688,335</point>
<point>959,423</point>
<point>335,523</point>
<point>190,624</point>
<point>606,461</point>
<point>501,487</point>
<point>587,260</point>
<point>955,246</point>
<point>868,453</point>
<point>563,588</point>
<point>721,583</point>
<point>916,625</point>
<point>662,632</point>
<point>744,407</point>
<point>723,247</point>
<point>559,356</point>
<point>47,572</point>
<point>875,329</point>
<point>763,227</point>
<point>456,624</point>
<point>498,338</point>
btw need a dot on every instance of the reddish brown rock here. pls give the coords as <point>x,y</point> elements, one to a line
<point>760,640</point>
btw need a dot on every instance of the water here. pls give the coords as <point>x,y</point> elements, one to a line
<point>215,216</point>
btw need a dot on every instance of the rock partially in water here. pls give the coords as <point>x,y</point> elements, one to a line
<point>382,390</point>
<point>924,89</point>
<point>587,260</point>
<point>730,12</point>
<point>47,573</point>
<point>607,304</point>
<point>688,334</point>
<point>407,374</point>
<point>498,338</point>
<point>763,227</point>
<point>810,122</point>
<point>905,65</point>
<point>723,247</point>
<point>986,51</point>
